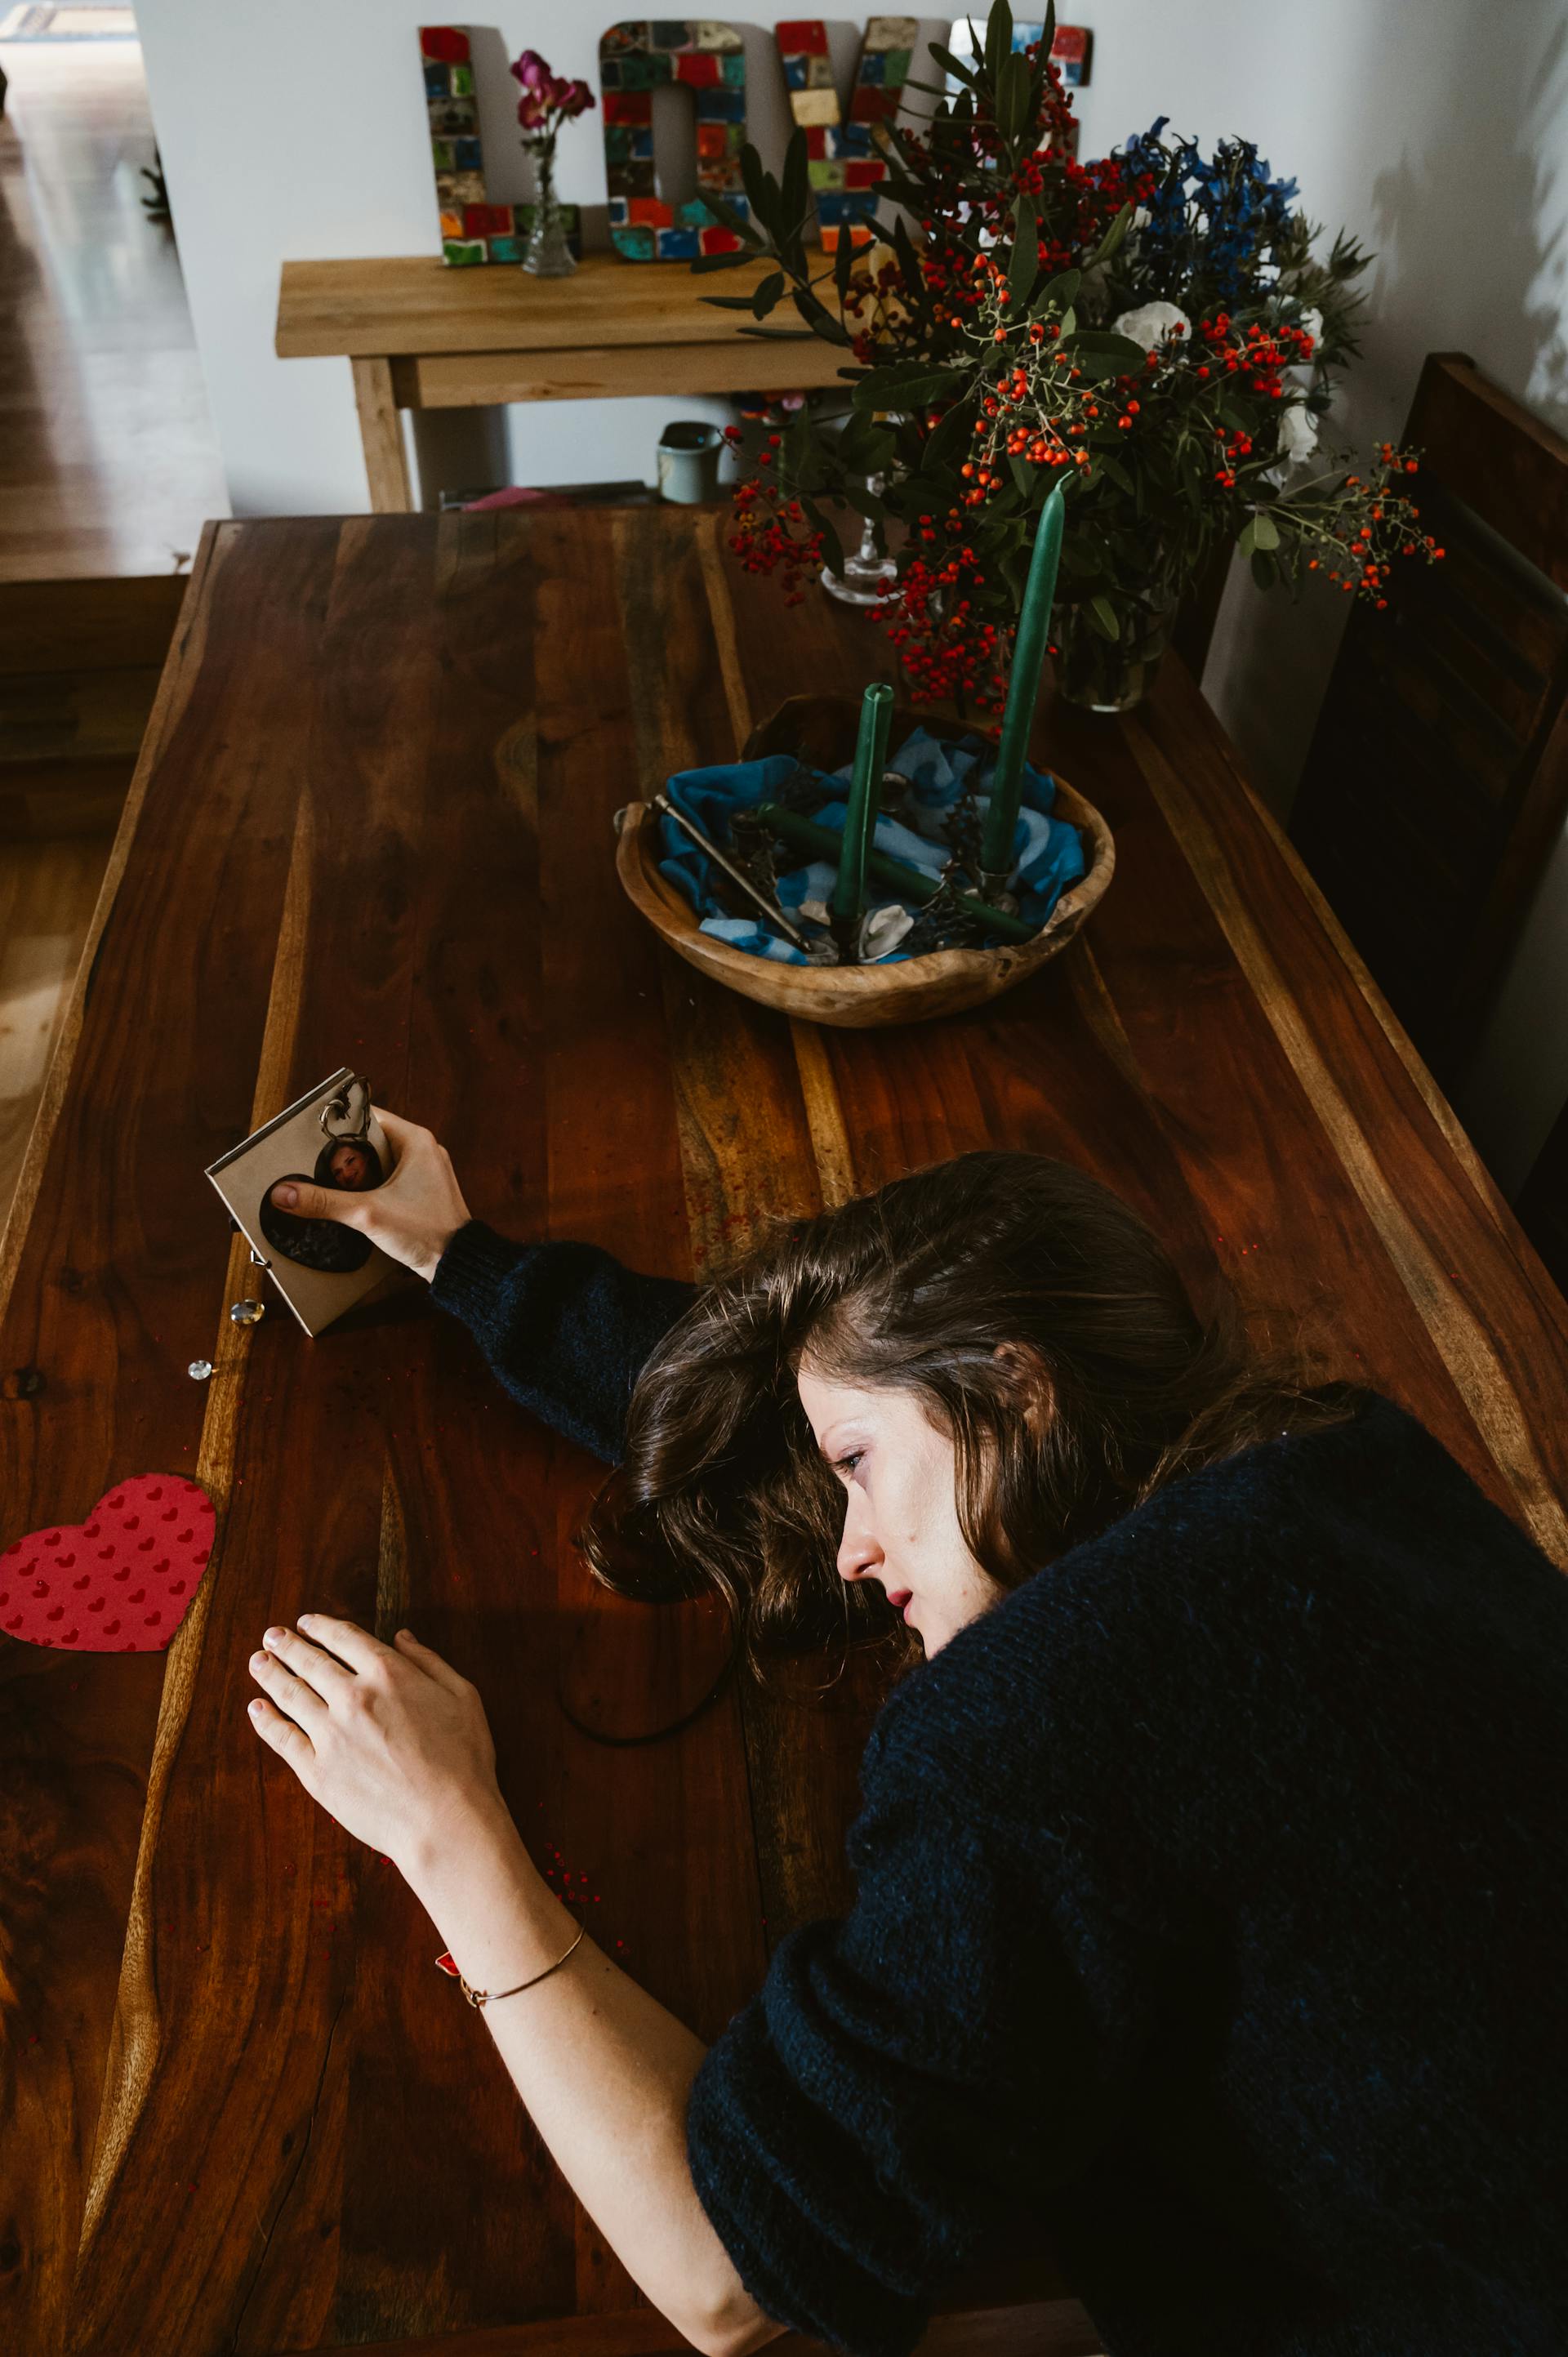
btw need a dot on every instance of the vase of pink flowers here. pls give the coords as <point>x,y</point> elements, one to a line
<point>547,101</point>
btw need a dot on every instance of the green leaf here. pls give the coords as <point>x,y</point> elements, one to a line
<point>1024,268</point>
<point>998,41</point>
<point>1112,238</point>
<point>795,194</point>
<point>736,302</point>
<point>954,66</point>
<point>705,264</point>
<point>1103,616</point>
<point>761,187</point>
<point>1122,348</point>
<point>727,217</point>
<point>820,319</point>
<point>908,261</point>
<point>844,262</point>
<point>833,546</point>
<point>775,335</point>
<point>1117,472</point>
<point>1265,532</point>
<point>1247,538</point>
<point>910,387</point>
<point>1058,292</point>
<point>766,294</point>
<point>1265,569</point>
<point>949,439</point>
<point>1012,94</point>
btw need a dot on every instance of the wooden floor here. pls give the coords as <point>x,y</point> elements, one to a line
<point>108,460</point>
<point>109,467</point>
<point>47,895</point>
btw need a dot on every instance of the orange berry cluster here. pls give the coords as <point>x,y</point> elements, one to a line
<point>1370,526</point>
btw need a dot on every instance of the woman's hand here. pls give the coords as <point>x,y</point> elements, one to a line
<point>391,1740</point>
<point>412,1215</point>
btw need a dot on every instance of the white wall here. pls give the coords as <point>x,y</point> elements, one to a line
<point>1436,133</point>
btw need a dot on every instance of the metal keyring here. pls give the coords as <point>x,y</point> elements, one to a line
<point>339,1106</point>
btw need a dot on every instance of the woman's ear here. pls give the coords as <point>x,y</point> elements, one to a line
<point>1026,1371</point>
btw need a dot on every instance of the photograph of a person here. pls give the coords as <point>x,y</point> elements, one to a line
<point>346,1165</point>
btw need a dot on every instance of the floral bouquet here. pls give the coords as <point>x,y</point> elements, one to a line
<point>1151,330</point>
<point>548,100</point>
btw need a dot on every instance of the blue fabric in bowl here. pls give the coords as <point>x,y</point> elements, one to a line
<point>1048,852</point>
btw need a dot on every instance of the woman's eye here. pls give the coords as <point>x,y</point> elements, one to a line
<point>847,1464</point>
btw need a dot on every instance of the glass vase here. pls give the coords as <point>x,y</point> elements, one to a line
<point>865,572</point>
<point>547,253</point>
<point>1110,675</point>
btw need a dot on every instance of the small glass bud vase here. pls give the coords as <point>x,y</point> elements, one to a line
<point>1110,675</point>
<point>547,253</point>
<point>867,573</point>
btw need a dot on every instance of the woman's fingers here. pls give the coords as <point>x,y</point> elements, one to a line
<point>298,1697</point>
<point>421,1655</point>
<point>322,1634</point>
<point>401,1132</point>
<point>307,1202</point>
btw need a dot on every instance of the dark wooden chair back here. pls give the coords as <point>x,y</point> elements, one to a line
<point>1437,780</point>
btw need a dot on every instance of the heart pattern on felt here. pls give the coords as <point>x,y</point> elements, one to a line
<point>122,1581</point>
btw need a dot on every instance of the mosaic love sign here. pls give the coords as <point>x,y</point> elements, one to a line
<point>704,56</point>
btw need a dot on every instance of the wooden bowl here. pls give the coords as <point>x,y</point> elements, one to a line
<point>820,730</point>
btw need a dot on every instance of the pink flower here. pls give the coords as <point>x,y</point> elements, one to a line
<point>530,70</point>
<point>532,111</point>
<point>581,99</point>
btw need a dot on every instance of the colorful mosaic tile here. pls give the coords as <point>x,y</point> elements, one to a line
<point>846,161</point>
<point>707,58</point>
<point>473,231</point>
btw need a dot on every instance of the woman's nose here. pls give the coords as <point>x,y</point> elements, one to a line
<point>858,1552</point>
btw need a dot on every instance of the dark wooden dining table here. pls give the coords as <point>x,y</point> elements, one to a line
<point>372,826</point>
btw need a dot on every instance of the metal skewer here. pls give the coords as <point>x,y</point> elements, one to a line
<point>662,804</point>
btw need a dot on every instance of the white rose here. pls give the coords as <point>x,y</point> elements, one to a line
<point>1298,434</point>
<point>1151,323</point>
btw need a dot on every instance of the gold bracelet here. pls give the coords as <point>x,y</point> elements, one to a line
<point>488,1996</point>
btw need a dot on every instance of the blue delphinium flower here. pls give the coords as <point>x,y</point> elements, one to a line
<point>1212,226</point>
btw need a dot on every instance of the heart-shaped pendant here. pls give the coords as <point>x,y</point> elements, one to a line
<point>29,1610</point>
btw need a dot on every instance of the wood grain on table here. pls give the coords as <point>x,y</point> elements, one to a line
<point>371,825</point>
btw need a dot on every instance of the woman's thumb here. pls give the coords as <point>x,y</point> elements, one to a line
<point>308,1202</point>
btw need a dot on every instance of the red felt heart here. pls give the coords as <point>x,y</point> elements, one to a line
<point>168,1584</point>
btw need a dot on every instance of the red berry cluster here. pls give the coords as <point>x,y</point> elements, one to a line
<point>1258,356</point>
<point>771,535</point>
<point>947,656</point>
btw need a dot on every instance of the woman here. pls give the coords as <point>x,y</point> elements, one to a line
<point>1212,1869</point>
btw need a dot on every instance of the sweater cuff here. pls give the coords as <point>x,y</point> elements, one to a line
<point>471,1271</point>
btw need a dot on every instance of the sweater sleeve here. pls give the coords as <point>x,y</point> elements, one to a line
<point>566,1328</point>
<point>911,2080</point>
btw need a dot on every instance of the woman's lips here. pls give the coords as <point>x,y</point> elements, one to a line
<point>899,1597</point>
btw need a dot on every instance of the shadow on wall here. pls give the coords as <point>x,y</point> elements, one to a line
<point>1470,237</point>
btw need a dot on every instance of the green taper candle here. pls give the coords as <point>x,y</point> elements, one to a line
<point>859,817</point>
<point>1023,687</point>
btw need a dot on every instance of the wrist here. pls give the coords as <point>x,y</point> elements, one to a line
<point>473,1838</point>
<point>495,1913</point>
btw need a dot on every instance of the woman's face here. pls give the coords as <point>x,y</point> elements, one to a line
<point>900,1523</point>
<point>351,1167</point>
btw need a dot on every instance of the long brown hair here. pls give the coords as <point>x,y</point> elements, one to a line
<point>1039,1321</point>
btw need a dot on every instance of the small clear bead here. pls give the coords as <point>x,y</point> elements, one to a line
<point>247,1313</point>
<point>198,1369</point>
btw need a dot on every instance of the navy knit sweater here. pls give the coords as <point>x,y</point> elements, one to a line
<point>1211,1912</point>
